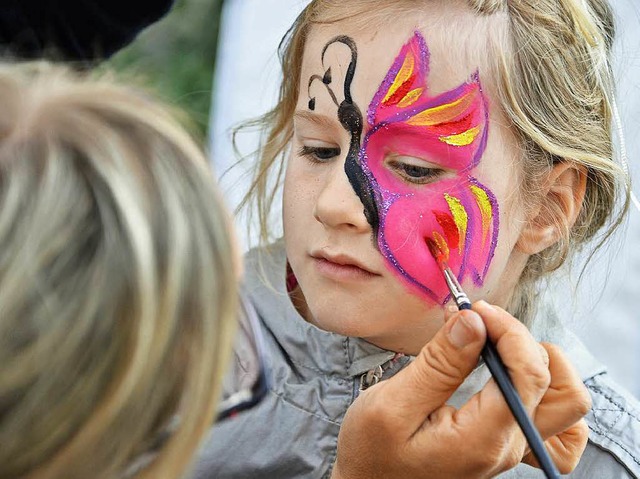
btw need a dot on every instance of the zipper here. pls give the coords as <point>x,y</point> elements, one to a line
<point>371,378</point>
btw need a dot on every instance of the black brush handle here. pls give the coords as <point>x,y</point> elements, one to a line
<point>499,371</point>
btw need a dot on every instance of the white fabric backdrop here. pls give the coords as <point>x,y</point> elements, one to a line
<point>603,310</point>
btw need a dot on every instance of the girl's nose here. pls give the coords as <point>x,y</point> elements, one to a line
<point>337,205</point>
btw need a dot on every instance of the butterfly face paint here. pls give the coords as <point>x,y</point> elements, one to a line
<point>448,132</point>
<point>458,212</point>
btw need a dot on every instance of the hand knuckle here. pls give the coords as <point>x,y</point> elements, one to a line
<point>582,401</point>
<point>440,366</point>
<point>577,399</point>
<point>443,416</point>
<point>538,375</point>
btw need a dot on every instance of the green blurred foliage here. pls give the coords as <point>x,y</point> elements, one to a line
<point>176,57</point>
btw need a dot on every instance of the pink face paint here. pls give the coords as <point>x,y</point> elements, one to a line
<point>458,212</point>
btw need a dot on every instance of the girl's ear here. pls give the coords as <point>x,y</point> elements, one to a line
<point>560,204</point>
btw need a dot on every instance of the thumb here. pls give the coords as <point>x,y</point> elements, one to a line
<point>440,368</point>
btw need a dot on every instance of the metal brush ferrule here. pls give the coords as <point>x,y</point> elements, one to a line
<point>456,290</point>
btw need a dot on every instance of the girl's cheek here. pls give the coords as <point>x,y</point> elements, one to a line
<point>460,215</point>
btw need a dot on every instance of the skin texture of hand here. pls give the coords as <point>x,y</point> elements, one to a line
<point>402,427</point>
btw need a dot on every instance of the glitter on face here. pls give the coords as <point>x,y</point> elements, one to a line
<point>457,212</point>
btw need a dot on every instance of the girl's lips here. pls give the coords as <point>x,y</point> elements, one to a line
<point>341,272</point>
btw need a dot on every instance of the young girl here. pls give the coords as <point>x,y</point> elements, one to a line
<point>483,127</point>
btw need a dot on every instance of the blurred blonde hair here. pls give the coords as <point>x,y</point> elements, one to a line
<point>554,83</point>
<point>117,281</point>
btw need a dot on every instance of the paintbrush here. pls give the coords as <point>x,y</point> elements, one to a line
<point>499,371</point>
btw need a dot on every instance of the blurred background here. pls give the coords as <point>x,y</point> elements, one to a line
<point>217,59</point>
<point>177,57</point>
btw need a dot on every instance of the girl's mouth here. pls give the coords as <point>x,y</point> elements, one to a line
<point>341,267</point>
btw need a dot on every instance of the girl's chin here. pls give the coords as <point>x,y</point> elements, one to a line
<point>341,325</point>
<point>385,337</point>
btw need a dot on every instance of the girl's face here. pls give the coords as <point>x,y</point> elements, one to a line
<point>398,143</point>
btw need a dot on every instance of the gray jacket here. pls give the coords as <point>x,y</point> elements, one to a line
<point>316,376</point>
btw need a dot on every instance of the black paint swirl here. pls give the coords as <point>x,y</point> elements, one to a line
<point>351,119</point>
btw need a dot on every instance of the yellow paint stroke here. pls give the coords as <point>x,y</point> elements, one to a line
<point>410,98</point>
<point>486,210</point>
<point>442,244</point>
<point>460,217</point>
<point>444,113</point>
<point>461,139</point>
<point>405,72</point>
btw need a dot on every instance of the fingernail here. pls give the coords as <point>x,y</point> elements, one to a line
<point>463,329</point>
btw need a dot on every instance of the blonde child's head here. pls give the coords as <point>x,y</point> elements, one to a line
<point>117,281</point>
<point>534,150</point>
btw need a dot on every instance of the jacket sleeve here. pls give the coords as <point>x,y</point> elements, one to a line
<point>614,429</point>
<point>74,29</point>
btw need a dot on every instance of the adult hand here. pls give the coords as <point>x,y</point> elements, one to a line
<point>402,427</point>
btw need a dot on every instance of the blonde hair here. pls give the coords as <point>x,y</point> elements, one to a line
<point>117,281</point>
<point>555,85</point>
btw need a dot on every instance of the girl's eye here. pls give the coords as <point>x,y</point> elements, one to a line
<point>319,154</point>
<point>412,173</point>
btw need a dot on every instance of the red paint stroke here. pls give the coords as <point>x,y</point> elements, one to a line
<point>449,227</point>
<point>454,127</point>
<point>401,92</point>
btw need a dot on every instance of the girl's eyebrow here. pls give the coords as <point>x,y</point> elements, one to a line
<point>317,119</point>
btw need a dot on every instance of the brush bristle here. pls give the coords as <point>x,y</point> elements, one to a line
<point>435,250</point>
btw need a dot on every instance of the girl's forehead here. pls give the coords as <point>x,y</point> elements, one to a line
<point>454,55</point>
